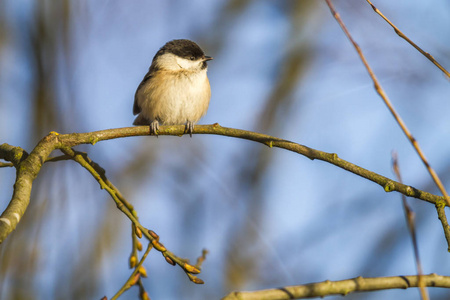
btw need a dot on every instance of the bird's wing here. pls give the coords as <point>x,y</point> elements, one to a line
<point>136,107</point>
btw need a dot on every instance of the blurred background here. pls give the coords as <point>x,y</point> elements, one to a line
<point>268,217</point>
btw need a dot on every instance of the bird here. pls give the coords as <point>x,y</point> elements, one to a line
<point>176,89</point>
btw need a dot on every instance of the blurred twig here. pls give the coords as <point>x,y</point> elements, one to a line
<point>403,36</point>
<point>5,165</point>
<point>400,122</point>
<point>409,215</point>
<point>49,159</point>
<point>293,61</point>
<point>342,287</point>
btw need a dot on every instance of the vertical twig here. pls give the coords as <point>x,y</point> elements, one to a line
<point>410,216</point>
<point>135,276</point>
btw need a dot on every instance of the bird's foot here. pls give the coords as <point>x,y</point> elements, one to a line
<point>189,127</point>
<point>154,127</point>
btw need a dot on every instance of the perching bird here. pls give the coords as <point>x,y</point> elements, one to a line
<point>176,89</point>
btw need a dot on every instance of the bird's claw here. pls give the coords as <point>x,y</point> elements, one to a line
<point>154,127</point>
<point>190,127</point>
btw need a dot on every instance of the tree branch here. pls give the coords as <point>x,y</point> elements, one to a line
<point>28,166</point>
<point>343,287</point>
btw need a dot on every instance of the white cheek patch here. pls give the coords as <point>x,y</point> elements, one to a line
<point>188,64</point>
<point>172,62</point>
<point>167,61</point>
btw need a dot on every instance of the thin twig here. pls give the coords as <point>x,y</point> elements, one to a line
<point>201,259</point>
<point>92,167</point>
<point>49,159</point>
<point>403,36</point>
<point>397,117</point>
<point>134,276</point>
<point>409,216</point>
<point>6,165</point>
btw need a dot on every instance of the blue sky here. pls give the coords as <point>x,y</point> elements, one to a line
<point>306,220</point>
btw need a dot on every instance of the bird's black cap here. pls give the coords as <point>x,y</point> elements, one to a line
<point>182,48</point>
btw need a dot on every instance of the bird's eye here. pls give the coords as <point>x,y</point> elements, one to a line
<point>192,58</point>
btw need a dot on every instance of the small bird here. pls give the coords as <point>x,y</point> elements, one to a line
<point>175,90</point>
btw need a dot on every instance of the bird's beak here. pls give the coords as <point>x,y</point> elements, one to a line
<point>206,58</point>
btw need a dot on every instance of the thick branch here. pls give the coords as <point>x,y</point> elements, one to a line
<point>12,154</point>
<point>343,287</point>
<point>388,185</point>
<point>27,170</point>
